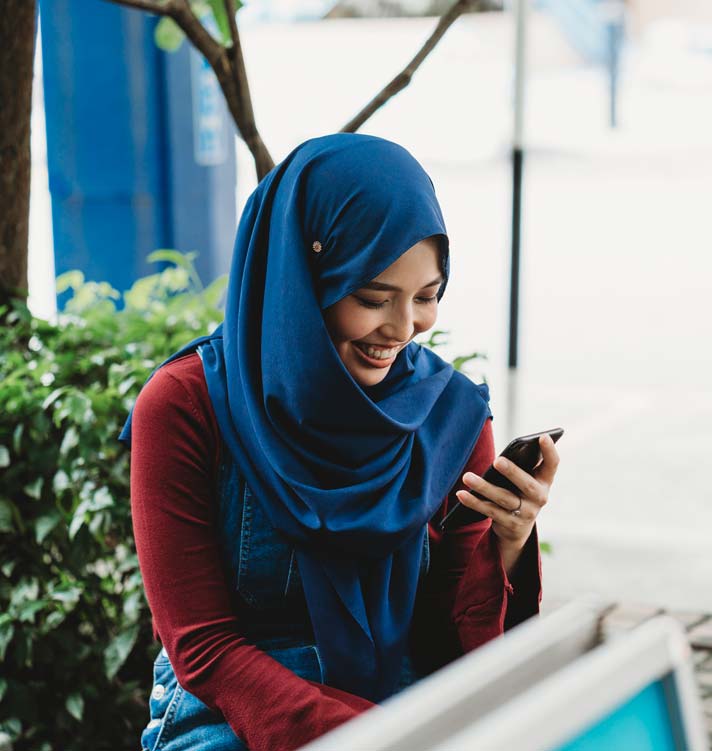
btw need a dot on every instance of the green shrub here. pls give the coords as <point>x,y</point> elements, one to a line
<point>75,637</point>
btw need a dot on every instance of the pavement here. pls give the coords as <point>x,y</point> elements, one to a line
<point>616,308</point>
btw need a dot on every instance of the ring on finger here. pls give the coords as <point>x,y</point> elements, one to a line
<point>518,510</point>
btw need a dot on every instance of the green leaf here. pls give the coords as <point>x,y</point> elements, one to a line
<point>545,547</point>
<point>27,610</point>
<point>97,522</point>
<point>17,438</point>
<point>438,338</point>
<point>183,260</point>
<point>167,35</point>
<point>60,482</point>
<point>75,525</point>
<point>53,620</point>
<point>8,567</point>
<point>67,595</point>
<point>4,457</point>
<point>458,362</point>
<point>6,516</point>
<point>45,524</point>
<point>13,726</point>
<point>214,292</point>
<point>3,687</point>
<point>77,407</point>
<point>75,706</point>
<point>218,9</point>
<point>104,289</point>
<point>7,631</point>
<point>70,279</point>
<point>126,385</point>
<point>132,606</point>
<point>118,650</point>
<point>70,440</point>
<point>27,589</point>
<point>34,488</point>
<point>141,292</point>
<point>174,279</point>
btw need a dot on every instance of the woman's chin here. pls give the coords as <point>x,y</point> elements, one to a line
<point>370,379</point>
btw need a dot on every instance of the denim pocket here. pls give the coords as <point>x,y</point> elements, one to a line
<point>267,575</point>
<point>305,661</point>
<point>259,562</point>
<point>165,694</point>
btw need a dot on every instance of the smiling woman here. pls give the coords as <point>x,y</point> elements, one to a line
<point>289,471</point>
<point>369,330</point>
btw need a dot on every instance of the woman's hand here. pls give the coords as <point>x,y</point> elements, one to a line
<point>513,516</point>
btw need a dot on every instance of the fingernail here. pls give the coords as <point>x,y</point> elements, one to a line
<point>501,463</point>
<point>471,477</point>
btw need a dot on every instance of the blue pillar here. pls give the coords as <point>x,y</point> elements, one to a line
<point>202,162</point>
<point>122,178</point>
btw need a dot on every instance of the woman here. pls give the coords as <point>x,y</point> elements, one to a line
<point>289,470</point>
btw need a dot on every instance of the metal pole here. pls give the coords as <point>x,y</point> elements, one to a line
<point>520,14</point>
<point>613,13</point>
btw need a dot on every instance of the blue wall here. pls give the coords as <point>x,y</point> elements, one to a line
<point>122,173</point>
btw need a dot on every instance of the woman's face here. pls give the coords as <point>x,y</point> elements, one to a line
<point>370,326</point>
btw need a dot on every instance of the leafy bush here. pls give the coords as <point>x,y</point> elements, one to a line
<point>75,638</point>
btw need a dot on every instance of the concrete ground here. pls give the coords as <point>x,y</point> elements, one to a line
<point>617,270</point>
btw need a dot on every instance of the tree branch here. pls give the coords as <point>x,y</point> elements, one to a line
<point>231,13</point>
<point>159,7</point>
<point>229,67</point>
<point>263,160</point>
<point>227,64</point>
<point>405,76</point>
<point>201,38</point>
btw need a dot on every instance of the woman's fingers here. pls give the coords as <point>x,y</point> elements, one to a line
<point>529,486</point>
<point>532,488</point>
<point>500,496</point>
<point>500,516</point>
<point>512,514</point>
<point>546,470</point>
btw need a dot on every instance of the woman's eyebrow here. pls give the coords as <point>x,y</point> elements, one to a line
<point>390,288</point>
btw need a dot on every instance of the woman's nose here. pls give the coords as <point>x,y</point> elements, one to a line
<point>400,325</point>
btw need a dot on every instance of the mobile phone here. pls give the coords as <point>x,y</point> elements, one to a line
<point>525,453</point>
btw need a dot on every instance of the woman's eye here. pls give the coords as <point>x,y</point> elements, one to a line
<point>370,303</point>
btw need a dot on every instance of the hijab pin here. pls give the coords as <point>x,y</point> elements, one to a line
<point>316,246</point>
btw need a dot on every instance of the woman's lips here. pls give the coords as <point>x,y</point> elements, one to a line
<point>372,361</point>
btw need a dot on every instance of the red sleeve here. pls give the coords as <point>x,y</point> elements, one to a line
<point>173,471</point>
<point>467,598</point>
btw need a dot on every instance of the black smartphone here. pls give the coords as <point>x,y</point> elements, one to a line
<point>525,453</point>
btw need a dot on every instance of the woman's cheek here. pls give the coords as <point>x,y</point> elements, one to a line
<point>364,322</point>
<point>429,318</point>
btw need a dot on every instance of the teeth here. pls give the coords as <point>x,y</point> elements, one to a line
<point>378,354</point>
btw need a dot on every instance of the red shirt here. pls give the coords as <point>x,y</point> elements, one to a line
<point>465,601</point>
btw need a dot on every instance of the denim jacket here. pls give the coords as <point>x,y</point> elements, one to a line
<point>261,568</point>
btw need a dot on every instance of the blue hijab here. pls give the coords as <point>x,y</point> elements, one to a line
<point>350,475</point>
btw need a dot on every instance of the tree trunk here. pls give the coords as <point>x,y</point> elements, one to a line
<point>17,42</point>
